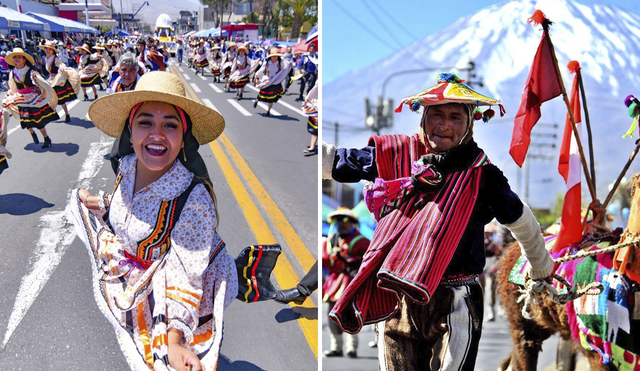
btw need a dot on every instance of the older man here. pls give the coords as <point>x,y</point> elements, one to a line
<point>128,67</point>
<point>433,193</point>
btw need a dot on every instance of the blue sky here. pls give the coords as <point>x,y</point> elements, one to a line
<point>357,33</point>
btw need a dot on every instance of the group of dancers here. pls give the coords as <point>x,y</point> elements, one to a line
<point>32,99</point>
<point>237,65</point>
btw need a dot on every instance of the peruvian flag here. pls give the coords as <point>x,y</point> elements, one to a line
<point>570,167</point>
<point>542,85</point>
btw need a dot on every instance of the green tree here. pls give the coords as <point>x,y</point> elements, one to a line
<point>299,8</point>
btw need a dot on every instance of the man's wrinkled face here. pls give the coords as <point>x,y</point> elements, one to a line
<point>445,125</point>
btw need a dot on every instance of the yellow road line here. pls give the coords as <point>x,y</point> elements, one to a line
<point>284,273</point>
<point>302,254</point>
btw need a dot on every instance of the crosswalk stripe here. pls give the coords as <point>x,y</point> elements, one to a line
<point>296,110</point>
<point>195,87</point>
<point>203,78</point>
<point>186,77</point>
<point>252,87</point>
<point>237,106</point>
<point>273,112</point>
<point>208,103</point>
<point>215,88</point>
<point>180,69</point>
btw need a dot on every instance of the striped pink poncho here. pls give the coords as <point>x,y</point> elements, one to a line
<point>413,243</point>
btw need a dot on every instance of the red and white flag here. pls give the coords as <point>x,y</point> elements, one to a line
<point>570,167</point>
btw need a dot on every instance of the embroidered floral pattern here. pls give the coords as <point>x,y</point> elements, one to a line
<point>180,289</point>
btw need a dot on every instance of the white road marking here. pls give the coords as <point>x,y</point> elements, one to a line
<point>252,87</point>
<point>56,234</point>
<point>208,103</point>
<point>186,77</point>
<point>215,88</point>
<point>266,107</point>
<point>237,106</point>
<point>296,110</point>
<point>69,106</point>
<point>204,78</point>
<point>12,130</point>
<point>60,113</point>
<point>195,87</point>
<point>180,69</point>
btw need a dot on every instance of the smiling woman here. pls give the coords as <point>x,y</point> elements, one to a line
<point>162,275</point>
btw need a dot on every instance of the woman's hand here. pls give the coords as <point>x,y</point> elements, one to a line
<point>90,202</point>
<point>181,358</point>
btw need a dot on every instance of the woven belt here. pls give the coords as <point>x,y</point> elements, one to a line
<point>460,280</point>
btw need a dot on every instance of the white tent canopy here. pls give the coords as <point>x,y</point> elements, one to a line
<point>189,33</point>
<point>14,20</point>
<point>59,24</point>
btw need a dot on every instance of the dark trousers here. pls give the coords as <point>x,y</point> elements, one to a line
<point>180,55</point>
<point>309,282</point>
<point>442,335</point>
<point>308,79</point>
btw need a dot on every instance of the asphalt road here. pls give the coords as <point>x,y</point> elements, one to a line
<point>267,191</point>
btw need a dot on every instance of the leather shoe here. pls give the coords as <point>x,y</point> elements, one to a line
<point>352,354</point>
<point>333,353</point>
<point>291,295</point>
<point>47,142</point>
<point>67,119</point>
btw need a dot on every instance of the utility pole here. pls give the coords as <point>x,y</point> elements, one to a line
<point>86,10</point>
<point>22,34</point>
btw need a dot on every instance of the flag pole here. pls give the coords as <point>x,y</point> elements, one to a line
<point>624,171</point>
<point>588,122</point>
<point>585,168</point>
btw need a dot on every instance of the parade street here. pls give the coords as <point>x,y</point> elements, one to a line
<point>495,344</point>
<point>266,191</point>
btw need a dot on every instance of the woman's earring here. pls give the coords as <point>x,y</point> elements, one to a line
<point>184,155</point>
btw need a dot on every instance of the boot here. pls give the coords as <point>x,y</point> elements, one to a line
<point>35,138</point>
<point>255,103</point>
<point>86,97</point>
<point>67,119</point>
<point>96,97</point>
<point>47,142</point>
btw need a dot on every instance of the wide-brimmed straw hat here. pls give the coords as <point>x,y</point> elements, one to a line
<point>16,52</point>
<point>84,47</point>
<point>109,113</point>
<point>344,212</point>
<point>274,52</point>
<point>450,89</point>
<point>216,47</point>
<point>49,45</point>
<point>243,47</point>
<point>233,43</point>
<point>99,47</point>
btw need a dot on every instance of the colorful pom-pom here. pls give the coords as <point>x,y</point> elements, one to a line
<point>628,100</point>
<point>537,18</point>
<point>477,113</point>
<point>449,77</point>
<point>488,115</point>
<point>415,105</point>
<point>573,66</point>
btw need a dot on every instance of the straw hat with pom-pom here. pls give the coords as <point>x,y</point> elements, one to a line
<point>49,45</point>
<point>110,113</point>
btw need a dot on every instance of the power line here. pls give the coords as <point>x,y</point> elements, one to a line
<point>324,107</point>
<point>412,37</point>
<point>357,21</point>
<point>382,25</point>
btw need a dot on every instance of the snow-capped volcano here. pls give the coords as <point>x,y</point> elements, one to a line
<point>604,39</point>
